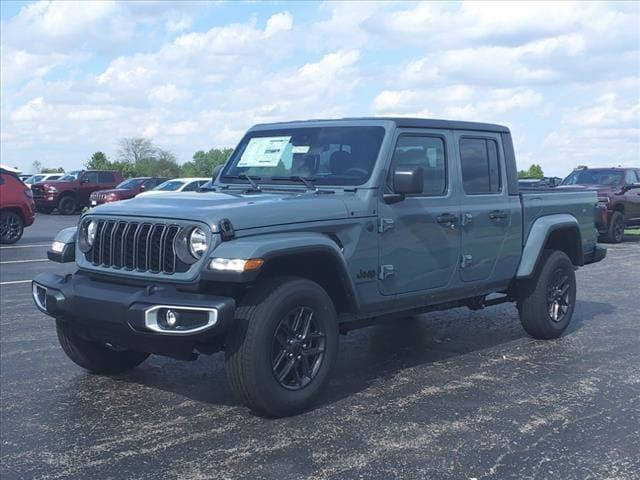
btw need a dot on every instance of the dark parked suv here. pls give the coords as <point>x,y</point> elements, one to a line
<point>72,191</point>
<point>125,190</point>
<point>16,207</point>
<point>619,190</point>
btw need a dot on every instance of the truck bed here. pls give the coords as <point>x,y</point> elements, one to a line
<point>549,201</point>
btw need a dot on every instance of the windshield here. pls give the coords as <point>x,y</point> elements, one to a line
<point>170,186</point>
<point>131,183</point>
<point>71,176</point>
<point>594,177</point>
<point>33,179</point>
<point>325,155</point>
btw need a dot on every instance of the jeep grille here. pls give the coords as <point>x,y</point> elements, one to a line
<point>141,246</point>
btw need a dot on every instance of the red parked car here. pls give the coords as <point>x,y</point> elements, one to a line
<point>127,189</point>
<point>72,191</point>
<point>17,209</point>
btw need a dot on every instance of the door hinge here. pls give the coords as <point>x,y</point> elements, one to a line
<point>385,224</point>
<point>466,261</point>
<point>385,271</point>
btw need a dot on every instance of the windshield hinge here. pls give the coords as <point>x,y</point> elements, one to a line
<point>385,224</point>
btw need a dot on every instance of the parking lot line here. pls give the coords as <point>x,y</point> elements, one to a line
<point>27,246</point>
<point>25,261</point>
<point>14,282</point>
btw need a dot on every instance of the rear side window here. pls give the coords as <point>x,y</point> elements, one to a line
<point>107,177</point>
<point>427,152</point>
<point>91,177</point>
<point>630,177</point>
<point>191,187</point>
<point>480,166</point>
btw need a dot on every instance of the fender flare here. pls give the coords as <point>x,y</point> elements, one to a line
<point>276,246</point>
<point>539,233</point>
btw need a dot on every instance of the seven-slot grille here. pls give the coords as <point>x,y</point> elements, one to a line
<point>141,246</point>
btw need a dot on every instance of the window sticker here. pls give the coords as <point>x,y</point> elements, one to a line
<point>264,152</point>
<point>300,149</point>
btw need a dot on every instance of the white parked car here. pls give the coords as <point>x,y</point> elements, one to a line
<point>177,185</point>
<point>42,177</point>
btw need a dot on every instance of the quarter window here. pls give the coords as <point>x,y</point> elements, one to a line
<point>480,166</point>
<point>427,152</point>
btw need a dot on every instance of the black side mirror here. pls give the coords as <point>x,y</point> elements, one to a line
<point>407,180</point>
<point>143,188</point>
<point>84,180</point>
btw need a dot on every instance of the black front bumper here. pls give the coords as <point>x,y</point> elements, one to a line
<point>114,313</point>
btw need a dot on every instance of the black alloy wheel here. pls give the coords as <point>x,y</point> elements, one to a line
<point>558,295</point>
<point>298,349</point>
<point>11,227</point>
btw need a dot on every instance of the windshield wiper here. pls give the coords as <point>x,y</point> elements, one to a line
<point>251,180</point>
<point>308,182</point>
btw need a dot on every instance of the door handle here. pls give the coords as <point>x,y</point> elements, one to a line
<point>497,215</point>
<point>447,220</point>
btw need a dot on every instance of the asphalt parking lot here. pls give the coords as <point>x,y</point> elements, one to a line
<point>451,395</point>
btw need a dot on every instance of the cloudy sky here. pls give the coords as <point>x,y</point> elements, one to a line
<point>565,77</point>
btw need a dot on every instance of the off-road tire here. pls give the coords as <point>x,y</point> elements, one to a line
<point>67,205</point>
<point>615,233</point>
<point>93,356</point>
<point>534,296</point>
<point>11,227</point>
<point>249,346</point>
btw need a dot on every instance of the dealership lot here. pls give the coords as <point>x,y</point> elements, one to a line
<point>454,394</point>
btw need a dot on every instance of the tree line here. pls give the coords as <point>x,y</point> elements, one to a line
<point>139,157</point>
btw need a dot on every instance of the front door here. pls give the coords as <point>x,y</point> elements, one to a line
<point>419,236</point>
<point>486,211</point>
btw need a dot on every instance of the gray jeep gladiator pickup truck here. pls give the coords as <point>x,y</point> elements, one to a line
<point>315,228</point>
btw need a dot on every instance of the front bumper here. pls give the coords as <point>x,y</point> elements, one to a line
<point>117,314</point>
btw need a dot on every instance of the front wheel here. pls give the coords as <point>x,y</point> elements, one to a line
<point>67,205</point>
<point>615,234</point>
<point>96,357</point>
<point>283,345</point>
<point>11,227</point>
<point>547,300</point>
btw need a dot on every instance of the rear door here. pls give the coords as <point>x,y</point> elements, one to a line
<point>419,239</point>
<point>485,207</point>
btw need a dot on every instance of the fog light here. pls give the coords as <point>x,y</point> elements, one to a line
<point>171,318</point>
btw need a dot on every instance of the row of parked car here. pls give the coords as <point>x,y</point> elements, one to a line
<point>618,190</point>
<point>69,192</point>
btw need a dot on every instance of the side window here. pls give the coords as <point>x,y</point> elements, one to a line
<point>106,177</point>
<point>630,177</point>
<point>427,152</point>
<point>91,177</point>
<point>480,166</point>
<point>149,184</point>
<point>192,187</point>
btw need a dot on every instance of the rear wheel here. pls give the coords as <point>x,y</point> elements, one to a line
<point>67,205</point>
<point>283,346</point>
<point>615,234</point>
<point>11,227</point>
<point>547,300</point>
<point>96,357</point>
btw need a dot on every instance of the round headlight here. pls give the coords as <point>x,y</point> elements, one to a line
<point>198,242</point>
<point>87,235</point>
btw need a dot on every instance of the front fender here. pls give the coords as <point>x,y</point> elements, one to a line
<point>540,231</point>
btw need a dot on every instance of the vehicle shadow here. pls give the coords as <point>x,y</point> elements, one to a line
<point>631,238</point>
<point>366,356</point>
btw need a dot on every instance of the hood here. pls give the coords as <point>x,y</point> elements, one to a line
<point>120,192</point>
<point>55,183</point>
<point>244,210</point>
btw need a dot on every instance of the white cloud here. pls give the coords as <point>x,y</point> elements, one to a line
<point>168,93</point>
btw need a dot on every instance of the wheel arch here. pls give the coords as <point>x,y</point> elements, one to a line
<point>314,256</point>
<point>16,210</point>
<point>555,232</point>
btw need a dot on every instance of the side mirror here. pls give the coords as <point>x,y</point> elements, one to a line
<point>142,188</point>
<point>84,180</point>
<point>407,179</point>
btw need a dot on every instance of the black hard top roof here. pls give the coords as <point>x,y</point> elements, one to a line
<point>407,122</point>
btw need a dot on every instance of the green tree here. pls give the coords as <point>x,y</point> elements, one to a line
<point>98,161</point>
<point>203,162</point>
<point>535,171</point>
<point>52,170</point>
